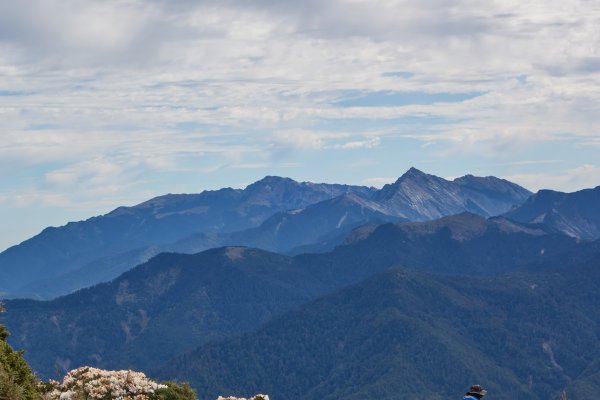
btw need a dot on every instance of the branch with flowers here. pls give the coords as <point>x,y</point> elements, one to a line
<point>87,383</point>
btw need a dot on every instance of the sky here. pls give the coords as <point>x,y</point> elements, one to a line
<point>106,103</point>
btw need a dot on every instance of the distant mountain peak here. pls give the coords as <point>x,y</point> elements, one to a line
<point>411,177</point>
<point>271,180</point>
<point>419,196</point>
<point>414,173</point>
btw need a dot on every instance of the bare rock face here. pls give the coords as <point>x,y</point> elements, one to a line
<point>257,397</point>
<point>418,196</point>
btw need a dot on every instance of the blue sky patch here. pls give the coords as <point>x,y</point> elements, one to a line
<point>42,127</point>
<point>399,74</point>
<point>366,124</point>
<point>11,93</point>
<point>357,98</point>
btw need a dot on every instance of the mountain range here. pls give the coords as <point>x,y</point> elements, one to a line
<point>161,220</point>
<point>319,291</point>
<point>175,302</point>
<point>276,214</point>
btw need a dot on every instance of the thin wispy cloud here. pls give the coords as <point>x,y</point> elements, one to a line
<point>170,93</point>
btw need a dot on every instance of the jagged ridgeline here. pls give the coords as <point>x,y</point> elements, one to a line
<point>275,214</point>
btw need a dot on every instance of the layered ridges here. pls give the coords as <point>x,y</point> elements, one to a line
<point>275,213</point>
<point>175,302</point>
<point>575,214</point>
<point>404,333</point>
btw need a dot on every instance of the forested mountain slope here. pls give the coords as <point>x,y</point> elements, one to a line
<point>405,334</point>
<point>176,302</point>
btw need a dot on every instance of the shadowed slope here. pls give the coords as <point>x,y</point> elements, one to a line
<point>176,302</point>
<point>576,214</point>
<point>404,334</point>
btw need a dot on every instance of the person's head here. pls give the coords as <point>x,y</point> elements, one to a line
<point>477,391</point>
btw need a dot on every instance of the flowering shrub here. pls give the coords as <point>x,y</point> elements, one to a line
<point>87,383</point>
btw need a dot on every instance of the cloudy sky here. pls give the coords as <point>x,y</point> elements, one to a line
<point>109,102</point>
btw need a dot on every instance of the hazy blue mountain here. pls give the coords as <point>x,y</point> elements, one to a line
<point>404,334</point>
<point>276,214</point>
<point>315,223</point>
<point>286,230</point>
<point>164,219</point>
<point>576,214</point>
<point>175,302</point>
<point>101,270</point>
<point>418,196</point>
<point>405,244</point>
<point>325,223</point>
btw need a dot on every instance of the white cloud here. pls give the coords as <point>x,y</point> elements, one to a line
<point>533,162</point>
<point>86,82</point>
<point>378,181</point>
<point>569,180</point>
<point>299,140</point>
<point>359,144</point>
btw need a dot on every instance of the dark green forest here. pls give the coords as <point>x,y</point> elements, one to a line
<point>403,332</point>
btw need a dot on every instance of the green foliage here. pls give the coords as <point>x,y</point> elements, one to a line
<point>168,306</point>
<point>403,334</point>
<point>17,382</point>
<point>175,303</point>
<point>393,335</point>
<point>175,391</point>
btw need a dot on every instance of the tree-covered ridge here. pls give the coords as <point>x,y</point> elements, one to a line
<point>404,333</point>
<point>17,381</point>
<point>176,302</point>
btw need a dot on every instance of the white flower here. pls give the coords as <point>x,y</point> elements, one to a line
<point>95,384</point>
